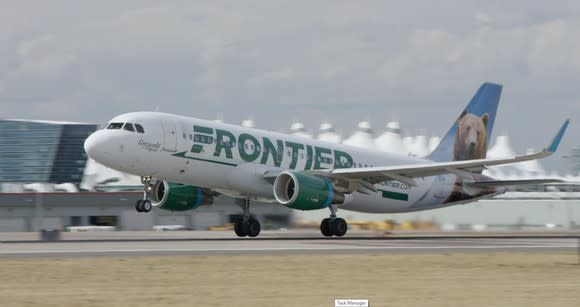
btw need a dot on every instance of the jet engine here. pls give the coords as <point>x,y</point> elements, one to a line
<point>178,197</point>
<point>305,192</point>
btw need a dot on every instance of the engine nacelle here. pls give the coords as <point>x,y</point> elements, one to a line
<point>305,192</point>
<point>178,197</point>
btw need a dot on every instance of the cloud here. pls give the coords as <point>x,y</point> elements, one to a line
<point>280,74</point>
<point>46,66</point>
<point>482,17</point>
<point>335,71</point>
<point>554,50</point>
<point>26,47</point>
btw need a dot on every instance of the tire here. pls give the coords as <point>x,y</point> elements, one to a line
<point>339,227</point>
<point>146,205</point>
<point>254,228</point>
<point>139,206</point>
<point>325,228</point>
<point>241,229</point>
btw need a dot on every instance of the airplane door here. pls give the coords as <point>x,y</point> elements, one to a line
<point>169,136</point>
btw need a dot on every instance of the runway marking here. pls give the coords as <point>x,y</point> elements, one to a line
<point>268,249</point>
<point>442,243</point>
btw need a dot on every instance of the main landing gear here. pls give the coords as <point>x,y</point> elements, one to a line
<point>144,205</point>
<point>248,225</point>
<point>333,226</point>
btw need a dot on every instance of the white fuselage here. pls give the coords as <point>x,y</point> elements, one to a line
<point>235,160</point>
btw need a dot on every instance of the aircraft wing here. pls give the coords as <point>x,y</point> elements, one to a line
<point>368,176</point>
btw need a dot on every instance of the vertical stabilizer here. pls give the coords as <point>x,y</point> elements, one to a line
<point>469,135</point>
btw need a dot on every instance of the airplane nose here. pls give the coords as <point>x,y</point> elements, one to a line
<point>94,146</point>
<point>109,148</point>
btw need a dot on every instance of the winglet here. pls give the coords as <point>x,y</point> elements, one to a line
<point>557,138</point>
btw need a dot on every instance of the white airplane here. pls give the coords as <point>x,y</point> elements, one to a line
<point>184,162</point>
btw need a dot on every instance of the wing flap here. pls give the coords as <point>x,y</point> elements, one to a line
<point>511,183</point>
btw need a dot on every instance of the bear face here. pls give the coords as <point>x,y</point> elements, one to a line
<point>471,137</point>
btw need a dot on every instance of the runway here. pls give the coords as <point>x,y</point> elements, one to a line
<point>285,245</point>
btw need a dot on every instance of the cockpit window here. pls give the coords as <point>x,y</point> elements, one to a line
<point>128,127</point>
<point>115,126</point>
<point>139,128</point>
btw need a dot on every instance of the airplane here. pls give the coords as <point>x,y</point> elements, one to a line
<point>185,162</point>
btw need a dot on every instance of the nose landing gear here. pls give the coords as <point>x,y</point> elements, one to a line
<point>144,205</point>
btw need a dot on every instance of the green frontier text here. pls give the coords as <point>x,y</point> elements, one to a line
<point>252,149</point>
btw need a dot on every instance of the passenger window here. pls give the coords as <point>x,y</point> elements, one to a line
<point>128,127</point>
<point>139,128</point>
<point>115,126</point>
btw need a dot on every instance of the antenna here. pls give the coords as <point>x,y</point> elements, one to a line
<point>219,118</point>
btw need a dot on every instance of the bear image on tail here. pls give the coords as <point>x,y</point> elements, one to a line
<point>470,143</point>
<point>471,137</point>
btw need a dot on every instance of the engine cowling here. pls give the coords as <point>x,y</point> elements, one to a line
<point>178,197</point>
<point>305,192</point>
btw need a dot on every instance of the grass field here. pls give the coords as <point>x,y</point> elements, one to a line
<point>498,279</point>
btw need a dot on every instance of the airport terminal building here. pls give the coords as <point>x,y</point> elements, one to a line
<point>42,151</point>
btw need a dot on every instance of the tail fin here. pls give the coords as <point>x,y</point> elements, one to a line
<point>469,136</point>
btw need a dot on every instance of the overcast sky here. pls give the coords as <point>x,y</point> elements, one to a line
<point>418,62</point>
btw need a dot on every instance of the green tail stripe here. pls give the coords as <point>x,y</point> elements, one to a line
<point>395,195</point>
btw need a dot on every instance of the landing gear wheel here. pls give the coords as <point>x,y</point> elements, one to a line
<point>339,227</point>
<point>325,227</point>
<point>253,227</point>
<point>247,225</point>
<point>139,205</point>
<point>143,205</point>
<point>333,226</point>
<point>146,205</point>
<point>241,228</point>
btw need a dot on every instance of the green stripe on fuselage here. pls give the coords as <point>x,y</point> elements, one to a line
<point>182,155</point>
<point>395,195</point>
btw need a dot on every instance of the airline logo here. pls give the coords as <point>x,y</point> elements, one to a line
<point>149,146</point>
<point>223,145</point>
<point>390,185</point>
